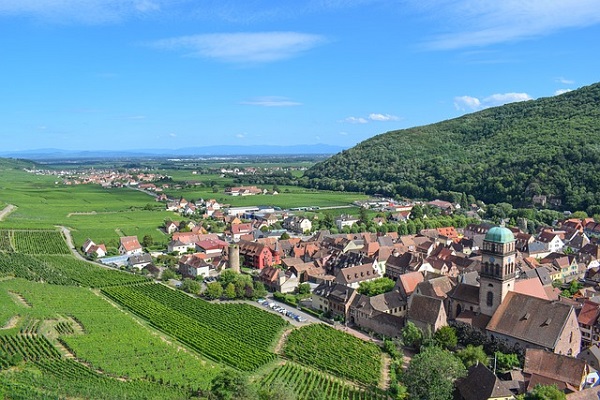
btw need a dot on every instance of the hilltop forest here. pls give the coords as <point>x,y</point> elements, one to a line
<point>549,146</point>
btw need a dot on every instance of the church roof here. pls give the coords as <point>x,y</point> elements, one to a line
<point>499,234</point>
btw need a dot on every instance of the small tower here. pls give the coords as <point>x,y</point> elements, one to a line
<point>234,257</point>
<point>497,276</point>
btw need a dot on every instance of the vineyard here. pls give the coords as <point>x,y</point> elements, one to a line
<point>28,267</point>
<point>90,275</point>
<point>209,337</point>
<point>126,350</point>
<point>39,242</point>
<point>327,349</point>
<point>63,270</point>
<point>248,324</point>
<point>62,377</point>
<point>308,384</point>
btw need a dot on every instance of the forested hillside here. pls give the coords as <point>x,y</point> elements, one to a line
<point>549,146</point>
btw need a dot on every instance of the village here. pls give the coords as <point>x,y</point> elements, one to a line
<point>531,294</point>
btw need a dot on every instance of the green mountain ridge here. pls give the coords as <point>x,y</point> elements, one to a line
<point>548,146</point>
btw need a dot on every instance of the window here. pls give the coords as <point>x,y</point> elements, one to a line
<point>490,299</point>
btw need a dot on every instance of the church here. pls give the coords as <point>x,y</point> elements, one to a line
<point>498,308</point>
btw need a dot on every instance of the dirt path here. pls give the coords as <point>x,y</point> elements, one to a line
<point>282,340</point>
<point>12,322</point>
<point>384,383</point>
<point>81,213</point>
<point>7,210</point>
<point>67,234</point>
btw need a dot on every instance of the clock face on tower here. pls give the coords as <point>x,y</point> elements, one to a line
<point>492,259</point>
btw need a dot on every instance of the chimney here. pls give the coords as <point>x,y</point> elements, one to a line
<point>234,257</point>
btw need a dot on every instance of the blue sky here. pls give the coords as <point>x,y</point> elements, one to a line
<point>130,74</point>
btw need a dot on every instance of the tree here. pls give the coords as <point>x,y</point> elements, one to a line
<point>284,236</point>
<point>259,289</point>
<point>229,292</point>
<point>147,241</point>
<point>545,392</point>
<point>214,290</point>
<point>167,274</point>
<point>446,337</point>
<point>304,288</point>
<point>431,374</point>
<point>228,276</point>
<point>363,215</point>
<point>229,385</point>
<point>505,362</point>
<point>416,212</point>
<point>471,355</point>
<point>190,286</point>
<point>377,286</point>
<point>411,335</point>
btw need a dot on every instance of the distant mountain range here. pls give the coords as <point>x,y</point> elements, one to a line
<point>208,151</point>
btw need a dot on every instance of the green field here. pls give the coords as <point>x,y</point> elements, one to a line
<point>308,384</point>
<point>77,330</point>
<point>325,348</point>
<point>104,215</point>
<point>108,339</point>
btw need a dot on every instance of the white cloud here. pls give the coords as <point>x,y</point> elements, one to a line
<point>562,91</point>
<point>259,47</point>
<point>356,120</point>
<point>469,103</point>
<point>172,135</point>
<point>564,81</point>
<point>134,117</point>
<point>271,101</point>
<point>343,133</point>
<point>383,117</point>
<point>240,135</point>
<point>466,102</point>
<point>470,23</point>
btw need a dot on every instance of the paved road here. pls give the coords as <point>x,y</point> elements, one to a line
<point>310,319</point>
<point>67,233</point>
<point>7,210</point>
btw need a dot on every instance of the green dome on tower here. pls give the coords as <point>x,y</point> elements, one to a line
<point>499,234</point>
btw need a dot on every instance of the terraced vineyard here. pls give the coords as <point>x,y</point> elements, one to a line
<point>339,353</point>
<point>63,270</point>
<point>90,275</point>
<point>209,334</point>
<point>39,242</point>
<point>105,338</point>
<point>308,384</point>
<point>28,267</point>
<point>248,324</point>
<point>67,378</point>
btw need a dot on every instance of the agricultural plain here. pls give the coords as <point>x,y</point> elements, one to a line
<point>73,329</point>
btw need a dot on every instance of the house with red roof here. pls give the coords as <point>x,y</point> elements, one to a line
<point>130,245</point>
<point>258,255</point>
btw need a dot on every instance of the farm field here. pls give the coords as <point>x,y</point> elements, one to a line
<point>83,331</point>
<point>237,335</point>
<point>350,357</point>
<point>42,256</point>
<point>108,339</point>
<point>104,215</point>
<point>308,384</point>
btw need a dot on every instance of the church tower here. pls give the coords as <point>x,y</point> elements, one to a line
<point>497,276</point>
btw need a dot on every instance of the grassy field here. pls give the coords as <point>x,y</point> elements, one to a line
<point>107,338</point>
<point>104,215</point>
